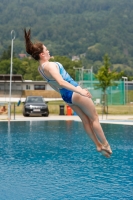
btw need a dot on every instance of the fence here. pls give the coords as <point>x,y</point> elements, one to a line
<point>115,94</point>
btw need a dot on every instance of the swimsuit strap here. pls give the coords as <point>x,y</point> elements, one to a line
<point>43,74</point>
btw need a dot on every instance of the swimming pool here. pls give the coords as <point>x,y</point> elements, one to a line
<point>56,160</point>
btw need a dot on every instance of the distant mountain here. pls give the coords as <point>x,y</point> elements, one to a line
<point>74,27</point>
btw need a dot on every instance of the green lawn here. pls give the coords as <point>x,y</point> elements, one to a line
<point>117,109</point>
<point>54,108</point>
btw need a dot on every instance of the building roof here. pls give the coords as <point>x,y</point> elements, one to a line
<point>15,77</point>
<point>22,55</point>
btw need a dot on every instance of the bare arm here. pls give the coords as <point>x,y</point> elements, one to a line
<point>54,72</point>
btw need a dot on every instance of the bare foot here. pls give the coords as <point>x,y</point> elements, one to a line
<point>105,150</point>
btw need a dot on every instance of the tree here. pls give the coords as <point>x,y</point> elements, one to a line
<point>106,79</point>
<point>6,54</point>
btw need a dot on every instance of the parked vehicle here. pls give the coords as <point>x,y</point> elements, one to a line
<point>35,105</point>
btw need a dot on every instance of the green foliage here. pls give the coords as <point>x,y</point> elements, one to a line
<point>72,28</point>
<point>28,68</point>
<point>106,79</point>
<point>105,76</point>
<point>5,67</point>
<point>6,54</point>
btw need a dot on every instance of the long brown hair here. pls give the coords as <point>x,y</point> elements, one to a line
<point>33,49</point>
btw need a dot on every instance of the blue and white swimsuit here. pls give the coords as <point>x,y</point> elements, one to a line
<point>65,93</point>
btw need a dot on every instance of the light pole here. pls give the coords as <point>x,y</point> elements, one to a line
<point>9,104</point>
<point>126,96</point>
<point>82,72</point>
<point>90,70</point>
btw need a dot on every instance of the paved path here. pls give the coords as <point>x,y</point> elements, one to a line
<point>113,119</point>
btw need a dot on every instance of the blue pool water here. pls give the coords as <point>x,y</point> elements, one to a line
<point>56,160</point>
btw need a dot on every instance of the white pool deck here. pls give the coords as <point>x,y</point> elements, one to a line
<point>110,119</point>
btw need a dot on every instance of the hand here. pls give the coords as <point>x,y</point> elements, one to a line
<point>86,93</point>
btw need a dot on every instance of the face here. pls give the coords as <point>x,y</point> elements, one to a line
<point>45,53</point>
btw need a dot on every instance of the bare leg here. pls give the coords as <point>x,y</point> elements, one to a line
<point>87,106</point>
<point>87,126</point>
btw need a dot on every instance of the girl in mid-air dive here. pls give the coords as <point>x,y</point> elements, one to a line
<point>78,99</point>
